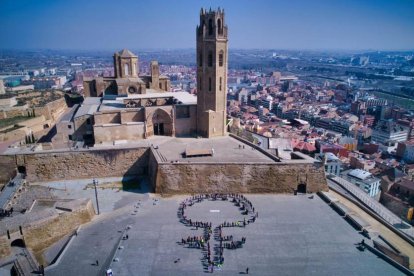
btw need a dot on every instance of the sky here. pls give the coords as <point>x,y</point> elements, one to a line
<point>252,24</point>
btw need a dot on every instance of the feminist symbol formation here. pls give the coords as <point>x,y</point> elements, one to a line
<point>213,257</point>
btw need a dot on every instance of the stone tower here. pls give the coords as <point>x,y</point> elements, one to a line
<point>155,75</point>
<point>211,73</point>
<point>126,64</point>
<point>2,90</point>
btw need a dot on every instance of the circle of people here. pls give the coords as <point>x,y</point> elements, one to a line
<point>228,242</point>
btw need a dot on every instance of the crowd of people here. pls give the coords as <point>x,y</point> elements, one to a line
<point>203,242</point>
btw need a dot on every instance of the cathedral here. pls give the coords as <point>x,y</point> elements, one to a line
<point>126,80</point>
<point>130,106</point>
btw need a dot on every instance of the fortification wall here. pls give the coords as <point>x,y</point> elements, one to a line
<point>172,178</point>
<point>7,169</point>
<point>84,164</point>
<point>40,236</point>
<point>51,110</point>
<point>237,178</point>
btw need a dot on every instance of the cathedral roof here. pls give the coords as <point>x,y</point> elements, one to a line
<point>126,53</point>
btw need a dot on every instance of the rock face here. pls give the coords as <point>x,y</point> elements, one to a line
<point>85,164</point>
<point>238,178</point>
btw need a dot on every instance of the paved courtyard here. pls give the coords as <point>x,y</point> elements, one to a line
<point>293,235</point>
<point>226,149</point>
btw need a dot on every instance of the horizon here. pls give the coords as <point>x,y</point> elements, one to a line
<point>193,48</point>
<point>321,25</point>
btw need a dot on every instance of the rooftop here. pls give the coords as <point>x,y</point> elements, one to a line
<point>113,102</point>
<point>126,53</point>
<point>226,149</point>
<point>67,117</point>
<point>360,174</point>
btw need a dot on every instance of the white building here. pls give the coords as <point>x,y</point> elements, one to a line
<point>388,130</point>
<point>51,71</point>
<point>364,180</point>
<point>332,163</point>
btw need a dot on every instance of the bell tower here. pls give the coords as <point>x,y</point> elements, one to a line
<point>211,73</point>
<point>126,64</point>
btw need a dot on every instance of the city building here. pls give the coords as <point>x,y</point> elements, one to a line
<point>358,162</point>
<point>20,88</point>
<point>364,180</point>
<point>389,130</point>
<point>56,82</point>
<point>343,127</point>
<point>332,163</point>
<point>405,150</point>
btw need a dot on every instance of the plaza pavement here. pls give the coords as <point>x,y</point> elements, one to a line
<point>226,149</point>
<point>294,235</point>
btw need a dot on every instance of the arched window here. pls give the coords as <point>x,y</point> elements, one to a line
<point>210,27</point>
<point>209,84</point>
<point>221,54</point>
<point>210,59</point>
<point>201,28</point>
<point>126,69</point>
<point>220,29</point>
<point>160,85</point>
<point>200,59</point>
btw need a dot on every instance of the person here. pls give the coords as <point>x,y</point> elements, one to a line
<point>247,270</point>
<point>97,262</point>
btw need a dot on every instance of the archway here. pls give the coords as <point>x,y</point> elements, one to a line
<point>302,188</point>
<point>18,243</point>
<point>162,123</point>
<point>21,169</point>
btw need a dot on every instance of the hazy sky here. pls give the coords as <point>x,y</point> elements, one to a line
<point>136,24</point>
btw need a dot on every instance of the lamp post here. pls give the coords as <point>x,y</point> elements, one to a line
<point>95,182</point>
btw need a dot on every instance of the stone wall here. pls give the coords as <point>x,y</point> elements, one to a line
<point>110,133</point>
<point>14,112</point>
<point>170,178</point>
<point>84,164</point>
<point>187,126</point>
<point>398,257</point>
<point>43,234</point>
<point>7,169</point>
<point>237,178</point>
<point>395,205</point>
<point>53,110</point>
